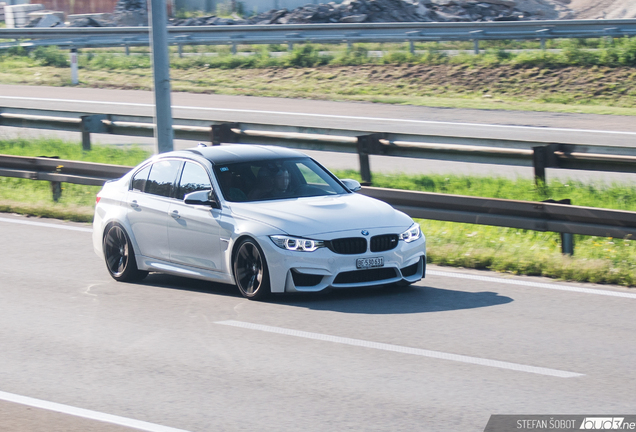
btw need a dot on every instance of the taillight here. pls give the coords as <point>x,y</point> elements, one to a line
<point>97,198</point>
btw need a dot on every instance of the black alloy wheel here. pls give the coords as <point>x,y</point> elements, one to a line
<point>250,270</point>
<point>120,256</point>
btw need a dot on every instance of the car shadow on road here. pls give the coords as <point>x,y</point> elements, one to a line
<point>391,300</point>
<point>370,300</point>
<point>187,284</point>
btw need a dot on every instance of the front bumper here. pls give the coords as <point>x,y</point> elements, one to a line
<point>292,271</point>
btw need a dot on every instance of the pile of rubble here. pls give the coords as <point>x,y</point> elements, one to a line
<point>130,13</point>
<point>362,11</point>
<point>135,13</point>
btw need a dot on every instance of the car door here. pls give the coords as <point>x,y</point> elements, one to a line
<point>149,203</point>
<point>193,230</point>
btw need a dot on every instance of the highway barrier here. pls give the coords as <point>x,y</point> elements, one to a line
<point>537,216</point>
<point>321,33</point>
<point>540,155</point>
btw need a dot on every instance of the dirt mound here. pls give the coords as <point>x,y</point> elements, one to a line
<point>608,9</point>
<point>545,9</point>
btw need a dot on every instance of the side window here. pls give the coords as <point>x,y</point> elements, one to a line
<point>139,179</point>
<point>311,177</point>
<point>162,177</point>
<point>194,178</point>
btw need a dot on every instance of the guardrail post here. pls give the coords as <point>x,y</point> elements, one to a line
<point>567,239</point>
<point>542,158</point>
<point>367,145</point>
<point>223,133</point>
<point>74,74</point>
<point>541,33</point>
<point>127,50</point>
<point>56,190</point>
<point>290,46</point>
<point>412,47</point>
<point>539,161</point>
<point>180,50</point>
<point>92,124</point>
<point>567,243</point>
<point>476,34</point>
<point>233,48</point>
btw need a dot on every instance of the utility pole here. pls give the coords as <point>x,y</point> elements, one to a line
<point>161,73</point>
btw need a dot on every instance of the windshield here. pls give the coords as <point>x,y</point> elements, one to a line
<point>275,179</point>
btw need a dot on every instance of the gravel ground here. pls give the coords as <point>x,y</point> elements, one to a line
<point>609,9</point>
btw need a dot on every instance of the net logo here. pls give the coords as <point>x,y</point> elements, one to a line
<point>602,423</point>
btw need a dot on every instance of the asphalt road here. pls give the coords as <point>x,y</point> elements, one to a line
<point>442,355</point>
<point>549,127</point>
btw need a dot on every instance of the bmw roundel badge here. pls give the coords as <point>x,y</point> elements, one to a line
<point>365,232</point>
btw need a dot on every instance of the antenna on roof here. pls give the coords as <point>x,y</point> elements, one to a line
<point>201,145</point>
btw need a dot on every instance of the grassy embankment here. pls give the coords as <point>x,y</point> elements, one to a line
<point>585,76</point>
<point>600,260</point>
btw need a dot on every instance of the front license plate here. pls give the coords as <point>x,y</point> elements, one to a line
<point>365,263</point>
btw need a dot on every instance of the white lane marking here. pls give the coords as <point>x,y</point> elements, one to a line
<point>403,349</point>
<point>46,225</point>
<point>532,284</point>
<point>93,415</point>
<point>345,117</point>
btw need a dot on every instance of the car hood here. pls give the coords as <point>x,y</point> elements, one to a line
<point>325,214</point>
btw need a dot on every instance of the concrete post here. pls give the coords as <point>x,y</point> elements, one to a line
<point>74,74</point>
<point>161,72</point>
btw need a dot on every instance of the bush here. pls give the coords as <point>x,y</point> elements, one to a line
<point>50,56</point>
<point>305,55</point>
<point>354,56</point>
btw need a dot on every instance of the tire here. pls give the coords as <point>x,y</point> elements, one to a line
<point>250,270</point>
<point>120,255</point>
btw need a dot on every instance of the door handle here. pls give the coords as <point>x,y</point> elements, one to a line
<point>175,214</point>
<point>134,204</point>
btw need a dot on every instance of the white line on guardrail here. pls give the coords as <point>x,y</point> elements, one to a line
<point>404,350</point>
<point>297,114</point>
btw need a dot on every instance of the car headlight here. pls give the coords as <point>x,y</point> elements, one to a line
<point>411,234</point>
<point>296,244</point>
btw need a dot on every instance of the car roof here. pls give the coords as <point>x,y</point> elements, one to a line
<point>226,154</point>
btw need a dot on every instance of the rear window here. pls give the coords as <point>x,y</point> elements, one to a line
<point>162,177</point>
<point>139,179</point>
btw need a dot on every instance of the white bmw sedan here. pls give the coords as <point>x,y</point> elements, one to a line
<point>267,219</point>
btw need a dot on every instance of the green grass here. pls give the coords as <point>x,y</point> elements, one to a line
<point>619,52</point>
<point>77,201</point>
<point>42,147</point>
<point>598,260</point>
<point>577,80</point>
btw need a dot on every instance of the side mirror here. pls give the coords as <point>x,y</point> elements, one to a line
<point>202,197</point>
<point>352,185</point>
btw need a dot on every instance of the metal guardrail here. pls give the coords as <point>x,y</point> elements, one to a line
<point>322,33</point>
<point>540,155</point>
<point>537,216</point>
